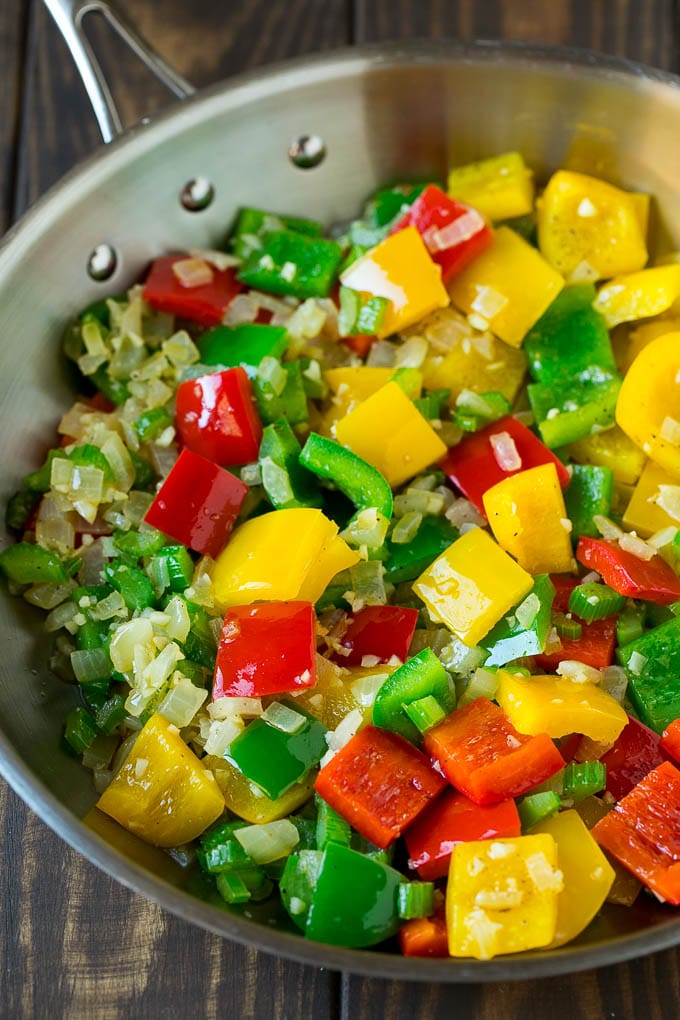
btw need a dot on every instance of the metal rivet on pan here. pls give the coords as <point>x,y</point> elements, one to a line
<point>101,265</point>
<point>307,151</point>
<point>197,194</point>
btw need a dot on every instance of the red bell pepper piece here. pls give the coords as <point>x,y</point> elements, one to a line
<point>382,631</point>
<point>205,305</point>
<point>636,752</point>
<point>595,647</point>
<point>215,416</point>
<point>472,466</point>
<point>670,741</point>
<point>452,819</point>
<point>454,233</point>
<point>360,344</point>
<point>425,936</point>
<point>197,504</point>
<point>481,753</point>
<point>379,783</point>
<point>643,832</point>
<point>653,580</point>
<point>267,648</point>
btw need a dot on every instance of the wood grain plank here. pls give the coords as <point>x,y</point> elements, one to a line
<point>12,45</point>
<point>203,40</point>
<point>639,31</point>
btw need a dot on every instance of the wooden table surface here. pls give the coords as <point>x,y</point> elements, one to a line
<point>74,943</point>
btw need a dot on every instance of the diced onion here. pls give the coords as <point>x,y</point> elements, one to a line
<point>182,702</point>
<point>670,431</point>
<point>571,669</point>
<point>226,708</point>
<point>637,547</point>
<point>615,682</point>
<point>412,353</point>
<point>126,639</point>
<point>483,684</point>
<point>462,511</point>
<point>488,302</point>
<point>668,498</point>
<point>461,230</point>
<point>609,531</point>
<point>662,538</point>
<point>505,451</point>
<point>283,718</point>
<point>192,272</point>
<point>637,662</point>
<point>268,842</point>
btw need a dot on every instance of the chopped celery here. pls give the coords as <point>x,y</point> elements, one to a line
<point>537,807</point>
<point>593,601</point>
<point>330,826</point>
<point>583,779</point>
<point>415,899</point>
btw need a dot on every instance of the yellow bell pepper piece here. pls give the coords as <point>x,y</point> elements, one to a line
<point>401,270</point>
<point>502,895</point>
<point>638,295</point>
<point>557,706</point>
<point>588,875</point>
<point>529,520</point>
<point>612,449</point>
<point>462,358</point>
<point>648,405</point>
<point>493,290</point>
<point>644,514</point>
<point>471,585</point>
<point>391,434</point>
<point>162,793</point>
<point>349,386</point>
<point>499,188</point>
<point>588,229</point>
<point>248,801</point>
<point>275,556</point>
<point>335,555</point>
<point>643,334</point>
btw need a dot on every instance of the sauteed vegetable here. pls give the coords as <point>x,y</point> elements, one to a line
<point>362,552</point>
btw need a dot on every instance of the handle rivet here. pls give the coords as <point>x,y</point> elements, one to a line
<point>101,265</point>
<point>197,194</point>
<point>307,151</point>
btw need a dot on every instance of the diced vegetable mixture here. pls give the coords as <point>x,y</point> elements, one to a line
<point>362,555</point>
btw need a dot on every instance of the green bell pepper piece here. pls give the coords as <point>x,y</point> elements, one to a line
<point>135,587</point>
<point>293,263</point>
<point>652,663</point>
<point>80,729</point>
<point>20,506</point>
<point>513,639</point>
<point>407,561</point>
<point>285,481</point>
<point>111,713</point>
<point>589,493</point>
<point>152,423</point>
<point>179,566</point>
<point>253,225</point>
<point>363,484</point>
<point>570,338</point>
<point>219,850</point>
<point>571,411</point>
<point>419,677</point>
<point>26,563</point>
<point>298,882</point>
<point>247,345</point>
<point>275,760</point>
<point>134,545</point>
<point>433,404</point>
<point>355,900</point>
<point>290,403</point>
<point>113,389</point>
<point>474,416</point>
<point>630,624</point>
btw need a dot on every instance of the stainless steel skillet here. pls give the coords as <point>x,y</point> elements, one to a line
<point>379,113</point>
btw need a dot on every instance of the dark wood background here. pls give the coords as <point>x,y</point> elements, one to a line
<point>74,943</point>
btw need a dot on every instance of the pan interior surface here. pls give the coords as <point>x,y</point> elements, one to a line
<point>382,114</point>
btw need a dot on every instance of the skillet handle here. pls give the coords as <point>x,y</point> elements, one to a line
<point>69,15</point>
